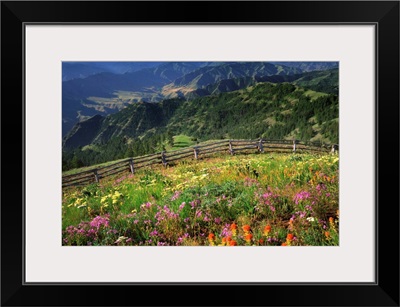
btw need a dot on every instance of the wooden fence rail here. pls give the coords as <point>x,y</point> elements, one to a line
<point>228,146</point>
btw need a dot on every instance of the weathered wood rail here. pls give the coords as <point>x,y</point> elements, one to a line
<point>196,152</point>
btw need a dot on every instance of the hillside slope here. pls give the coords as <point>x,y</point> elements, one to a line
<point>272,111</point>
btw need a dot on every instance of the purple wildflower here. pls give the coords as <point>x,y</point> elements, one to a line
<point>226,231</point>
<point>99,221</point>
<point>154,233</point>
<point>300,196</point>
<point>182,205</point>
<point>195,203</point>
<point>180,239</point>
<point>176,195</point>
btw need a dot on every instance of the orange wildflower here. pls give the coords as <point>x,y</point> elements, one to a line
<point>223,242</point>
<point>234,229</point>
<point>289,239</point>
<point>284,244</point>
<point>332,224</point>
<point>246,228</point>
<point>267,230</point>
<point>327,234</point>
<point>211,237</point>
<point>232,243</point>
<point>248,237</point>
<point>261,241</point>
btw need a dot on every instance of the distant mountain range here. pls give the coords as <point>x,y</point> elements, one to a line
<point>102,88</point>
<point>80,70</point>
<point>310,66</point>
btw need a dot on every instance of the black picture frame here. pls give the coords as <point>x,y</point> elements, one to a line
<point>383,14</point>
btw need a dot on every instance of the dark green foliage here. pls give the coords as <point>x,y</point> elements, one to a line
<point>321,81</point>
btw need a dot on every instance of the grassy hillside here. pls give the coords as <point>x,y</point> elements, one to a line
<point>180,141</point>
<point>260,200</point>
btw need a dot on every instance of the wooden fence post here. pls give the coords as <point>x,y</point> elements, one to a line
<point>131,166</point>
<point>294,145</point>
<point>196,153</point>
<point>163,159</point>
<point>231,148</point>
<point>96,175</point>
<point>260,145</point>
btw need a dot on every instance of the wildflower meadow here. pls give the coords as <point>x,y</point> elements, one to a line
<point>243,200</point>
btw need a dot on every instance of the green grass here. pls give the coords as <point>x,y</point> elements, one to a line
<point>86,168</point>
<point>182,141</point>
<point>313,94</point>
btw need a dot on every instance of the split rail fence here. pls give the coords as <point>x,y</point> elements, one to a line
<point>196,152</point>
